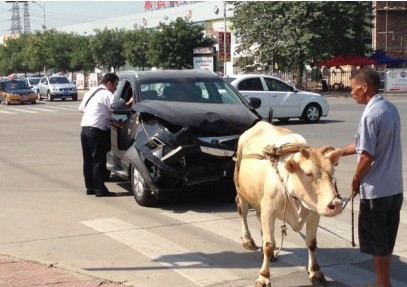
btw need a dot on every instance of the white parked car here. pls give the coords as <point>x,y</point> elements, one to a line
<point>285,100</point>
<point>32,82</point>
<point>56,87</point>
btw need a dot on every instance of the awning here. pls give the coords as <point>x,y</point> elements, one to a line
<point>381,58</point>
<point>341,60</point>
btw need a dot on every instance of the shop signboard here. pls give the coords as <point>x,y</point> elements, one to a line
<point>396,80</point>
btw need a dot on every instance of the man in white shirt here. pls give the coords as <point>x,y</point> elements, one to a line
<point>95,134</point>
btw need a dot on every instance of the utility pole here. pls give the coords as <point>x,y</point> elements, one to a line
<point>44,26</point>
<point>224,38</point>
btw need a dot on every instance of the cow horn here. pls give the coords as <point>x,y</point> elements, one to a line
<point>305,153</point>
<point>326,149</point>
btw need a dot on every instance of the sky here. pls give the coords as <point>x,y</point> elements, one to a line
<point>64,13</point>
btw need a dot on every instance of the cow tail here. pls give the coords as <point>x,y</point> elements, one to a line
<point>238,159</point>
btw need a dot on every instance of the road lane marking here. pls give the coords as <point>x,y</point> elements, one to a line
<point>181,260</point>
<point>65,108</point>
<point>21,110</point>
<point>42,109</point>
<point>7,112</point>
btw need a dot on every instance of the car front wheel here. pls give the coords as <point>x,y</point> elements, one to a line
<point>312,113</point>
<point>142,194</point>
<point>50,97</point>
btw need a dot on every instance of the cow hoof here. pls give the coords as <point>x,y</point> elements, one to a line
<point>262,284</point>
<point>319,280</point>
<point>250,245</point>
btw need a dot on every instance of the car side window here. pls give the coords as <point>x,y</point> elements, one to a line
<point>252,84</point>
<point>277,86</point>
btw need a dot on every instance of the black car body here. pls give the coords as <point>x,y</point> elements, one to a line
<point>181,130</point>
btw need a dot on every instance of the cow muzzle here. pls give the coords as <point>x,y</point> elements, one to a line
<point>334,207</point>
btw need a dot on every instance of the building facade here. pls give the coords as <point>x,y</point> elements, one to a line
<point>390,28</point>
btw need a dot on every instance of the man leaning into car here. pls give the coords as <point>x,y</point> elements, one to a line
<point>95,135</point>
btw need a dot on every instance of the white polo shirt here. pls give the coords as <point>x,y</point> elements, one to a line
<point>97,112</point>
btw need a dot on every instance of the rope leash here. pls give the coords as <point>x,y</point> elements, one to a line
<point>354,193</point>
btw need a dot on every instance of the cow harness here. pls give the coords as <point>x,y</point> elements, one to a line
<point>272,153</point>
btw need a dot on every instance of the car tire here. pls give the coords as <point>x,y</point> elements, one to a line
<point>142,194</point>
<point>74,98</point>
<point>312,113</point>
<point>283,120</point>
<point>50,97</point>
<point>270,118</point>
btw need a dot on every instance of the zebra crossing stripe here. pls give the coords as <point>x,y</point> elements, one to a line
<point>231,230</point>
<point>21,110</point>
<point>65,108</point>
<point>181,260</point>
<point>6,112</point>
<point>42,109</point>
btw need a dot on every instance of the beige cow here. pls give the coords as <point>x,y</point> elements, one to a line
<point>281,177</point>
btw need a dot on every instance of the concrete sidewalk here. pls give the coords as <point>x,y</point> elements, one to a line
<point>24,273</point>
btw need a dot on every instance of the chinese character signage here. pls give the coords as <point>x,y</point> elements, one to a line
<point>224,45</point>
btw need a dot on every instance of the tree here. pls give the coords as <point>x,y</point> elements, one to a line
<point>288,35</point>
<point>81,57</point>
<point>11,55</point>
<point>58,47</point>
<point>107,48</point>
<point>172,45</point>
<point>136,46</point>
<point>35,54</point>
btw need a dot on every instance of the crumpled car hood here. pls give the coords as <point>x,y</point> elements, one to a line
<point>215,119</point>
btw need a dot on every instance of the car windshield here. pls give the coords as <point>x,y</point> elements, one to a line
<point>16,85</point>
<point>34,81</point>
<point>212,91</point>
<point>58,80</point>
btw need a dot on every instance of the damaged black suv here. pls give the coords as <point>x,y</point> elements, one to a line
<point>181,130</point>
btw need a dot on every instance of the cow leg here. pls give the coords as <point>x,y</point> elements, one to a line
<point>316,277</point>
<point>269,244</point>
<point>243,209</point>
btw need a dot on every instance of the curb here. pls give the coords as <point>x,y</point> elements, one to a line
<point>16,272</point>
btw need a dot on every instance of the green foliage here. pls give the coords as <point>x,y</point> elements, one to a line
<point>81,57</point>
<point>35,54</point>
<point>287,35</point>
<point>136,45</point>
<point>171,47</point>
<point>12,58</point>
<point>107,48</point>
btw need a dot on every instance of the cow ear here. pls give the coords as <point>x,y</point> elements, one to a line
<point>292,166</point>
<point>334,156</point>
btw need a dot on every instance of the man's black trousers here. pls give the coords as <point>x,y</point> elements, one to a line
<point>95,145</point>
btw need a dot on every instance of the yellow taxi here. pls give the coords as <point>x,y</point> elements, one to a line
<point>16,92</point>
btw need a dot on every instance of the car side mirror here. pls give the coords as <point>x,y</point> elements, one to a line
<point>120,107</point>
<point>254,102</point>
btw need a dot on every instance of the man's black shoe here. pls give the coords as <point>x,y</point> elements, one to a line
<point>105,194</point>
<point>90,191</point>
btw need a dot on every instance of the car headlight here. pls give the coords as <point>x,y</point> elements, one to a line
<point>54,89</point>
